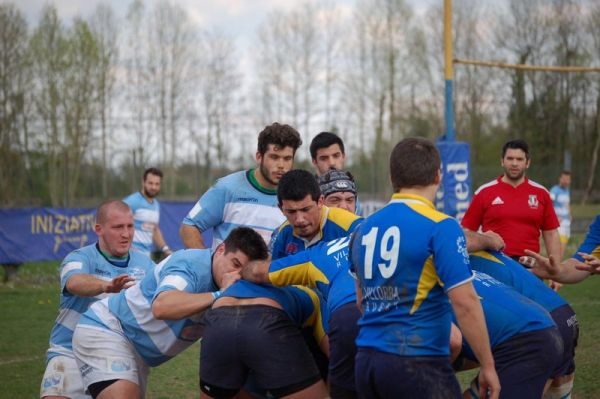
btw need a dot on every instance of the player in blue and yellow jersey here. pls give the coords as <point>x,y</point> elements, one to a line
<point>583,263</point>
<point>255,329</point>
<point>87,275</point>
<point>511,273</point>
<point>146,215</point>
<point>525,342</point>
<point>246,198</point>
<point>308,220</point>
<point>324,266</point>
<point>119,338</point>
<point>409,260</point>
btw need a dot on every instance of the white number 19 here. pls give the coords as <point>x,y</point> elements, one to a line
<point>387,251</point>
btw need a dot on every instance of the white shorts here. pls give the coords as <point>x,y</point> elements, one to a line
<point>565,232</point>
<point>104,355</point>
<point>62,378</point>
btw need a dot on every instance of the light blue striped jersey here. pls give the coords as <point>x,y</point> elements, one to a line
<point>591,243</point>
<point>324,266</point>
<point>561,198</point>
<point>407,256</point>
<point>130,312</point>
<point>87,260</point>
<point>510,272</point>
<point>146,216</point>
<point>507,313</point>
<point>236,200</point>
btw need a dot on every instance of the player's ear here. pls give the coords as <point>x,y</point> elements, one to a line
<point>258,156</point>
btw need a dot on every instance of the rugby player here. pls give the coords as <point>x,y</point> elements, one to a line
<point>338,189</point>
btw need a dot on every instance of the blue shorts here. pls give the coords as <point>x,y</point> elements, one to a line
<point>385,375</point>
<point>258,339</point>
<point>526,361</point>
<point>568,326</point>
<point>343,329</point>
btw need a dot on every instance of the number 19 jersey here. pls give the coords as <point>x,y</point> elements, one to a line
<point>406,257</point>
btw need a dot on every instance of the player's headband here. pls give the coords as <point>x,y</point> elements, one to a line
<point>335,181</point>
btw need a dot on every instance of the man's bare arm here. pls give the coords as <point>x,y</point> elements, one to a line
<point>191,236</point>
<point>86,285</point>
<point>159,241</point>
<point>471,321</point>
<point>552,243</point>
<point>487,241</point>
<point>570,271</point>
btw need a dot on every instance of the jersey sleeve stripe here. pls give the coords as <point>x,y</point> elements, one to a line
<point>70,267</point>
<point>174,281</point>
<point>459,283</point>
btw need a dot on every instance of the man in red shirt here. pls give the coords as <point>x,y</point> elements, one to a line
<point>515,207</point>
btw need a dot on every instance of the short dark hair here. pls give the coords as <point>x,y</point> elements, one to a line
<point>248,241</point>
<point>414,162</point>
<point>517,144</point>
<point>279,135</point>
<point>324,140</point>
<point>565,172</point>
<point>106,206</point>
<point>296,184</point>
<point>153,171</point>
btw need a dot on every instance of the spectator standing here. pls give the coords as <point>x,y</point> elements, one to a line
<point>561,199</point>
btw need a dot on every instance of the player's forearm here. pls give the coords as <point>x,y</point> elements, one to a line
<point>176,305</point>
<point>483,242</point>
<point>158,239</point>
<point>85,285</point>
<point>471,321</point>
<point>568,274</point>
<point>552,242</point>
<point>191,236</point>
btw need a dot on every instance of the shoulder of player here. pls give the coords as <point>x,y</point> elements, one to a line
<point>537,186</point>
<point>342,217</point>
<point>486,187</point>
<point>140,259</point>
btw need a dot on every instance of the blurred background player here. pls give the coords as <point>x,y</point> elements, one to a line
<point>412,270</point>
<point>146,215</point>
<point>255,329</point>
<point>245,198</point>
<point>87,275</point>
<point>118,339</point>
<point>308,220</point>
<point>327,152</point>
<point>338,189</point>
<point>561,199</point>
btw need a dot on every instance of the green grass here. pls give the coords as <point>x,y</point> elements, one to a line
<point>30,303</point>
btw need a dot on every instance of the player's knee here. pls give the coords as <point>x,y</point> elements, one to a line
<point>562,391</point>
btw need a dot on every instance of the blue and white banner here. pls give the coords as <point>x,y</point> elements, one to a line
<point>454,194</point>
<point>36,234</point>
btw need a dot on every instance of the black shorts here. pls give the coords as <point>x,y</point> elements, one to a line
<point>526,361</point>
<point>385,375</point>
<point>343,329</point>
<point>260,339</point>
<point>568,326</point>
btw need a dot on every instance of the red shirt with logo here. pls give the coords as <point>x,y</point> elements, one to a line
<point>517,214</point>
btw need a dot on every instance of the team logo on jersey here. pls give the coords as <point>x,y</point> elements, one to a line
<point>137,273</point>
<point>533,201</point>
<point>120,365</point>
<point>497,201</point>
<point>461,245</point>
<point>291,248</point>
<point>54,380</point>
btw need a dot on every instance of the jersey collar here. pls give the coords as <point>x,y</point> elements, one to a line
<point>524,183</point>
<point>254,183</point>
<point>411,199</point>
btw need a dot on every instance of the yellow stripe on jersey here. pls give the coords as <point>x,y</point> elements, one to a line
<point>316,318</point>
<point>303,273</point>
<point>596,252</point>
<point>342,217</point>
<point>427,281</point>
<point>488,256</point>
<point>422,206</point>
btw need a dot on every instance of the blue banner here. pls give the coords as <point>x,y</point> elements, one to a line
<point>37,234</point>
<point>454,194</point>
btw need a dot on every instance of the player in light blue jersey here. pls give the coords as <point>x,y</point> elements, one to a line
<point>511,273</point>
<point>561,199</point>
<point>246,198</point>
<point>308,220</point>
<point>525,342</point>
<point>146,215</point>
<point>87,275</point>
<point>410,260</point>
<point>328,153</point>
<point>119,338</point>
<point>324,266</point>
<point>256,329</point>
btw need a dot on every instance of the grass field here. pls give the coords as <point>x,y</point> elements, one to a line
<point>29,306</point>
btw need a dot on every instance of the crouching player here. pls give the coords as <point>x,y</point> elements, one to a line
<point>511,273</point>
<point>255,329</point>
<point>526,344</point>
<point>119,338</point>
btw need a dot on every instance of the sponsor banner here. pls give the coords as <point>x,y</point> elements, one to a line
<point>454,194</point>
<point>37,234</point>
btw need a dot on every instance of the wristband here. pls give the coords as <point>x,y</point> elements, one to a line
<point>165,248</point>
<point>216,295</point>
